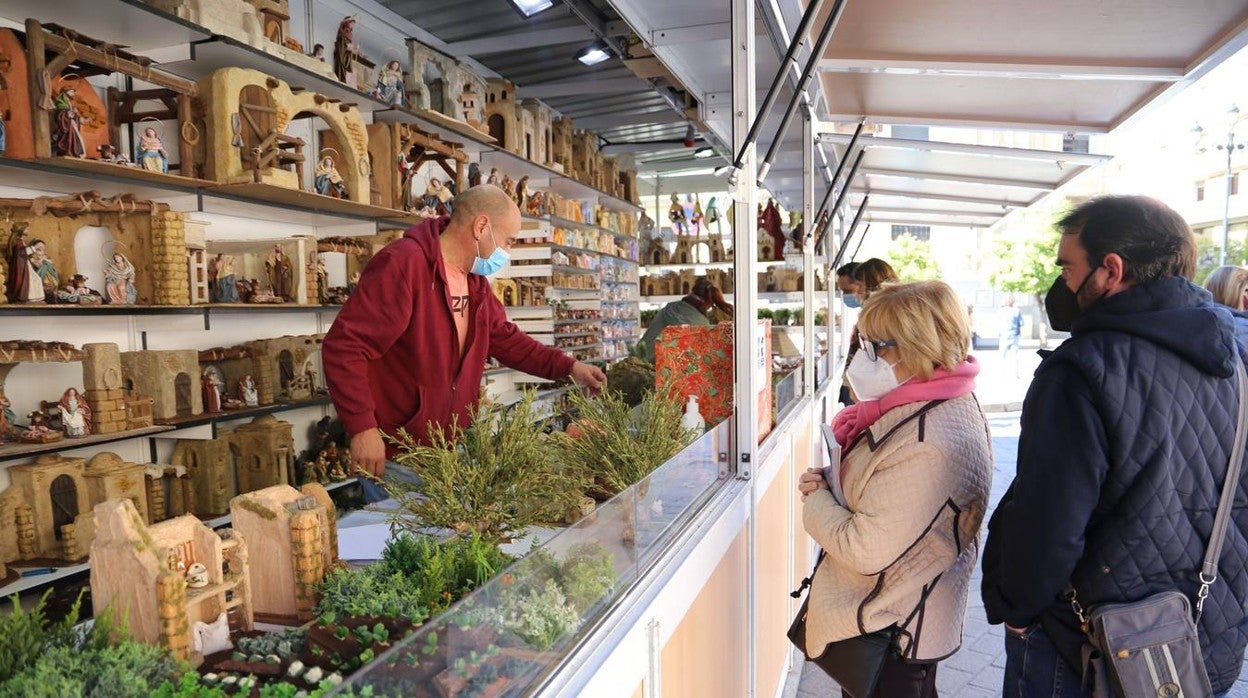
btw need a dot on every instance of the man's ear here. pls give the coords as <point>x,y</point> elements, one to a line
<point>1116,267</point>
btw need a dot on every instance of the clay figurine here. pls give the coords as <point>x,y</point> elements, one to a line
<point>769,220</point>
<point>281,275</point>
<point>213,386</point>
<point>438,197</point>
<point>646,225</point>
<point>322,279</point>
<point>23,284</point>
<point>676,214</point>
<point>256,294</point>
<point>390,84</point>
<point>119,281</point>
<point>45,270</point>
<point>509,187</point>
<point>78,293</point>
<point>197,576</point>
<point>75,414</point>
<point>474,175</point>
<point>150,154</point>
<point>493,178</point>
<point>712,216</point>
<point>521,196</point>
<point>38,431</point>
<point>328,182</point>
<point>247,391</point>
<point>8,420</point>
<point>345,51</point>
<point>318,52</point>
<point>695,220</point>
<point>110,154</point>
<point>407,168</point>
<point>226,289</point>
<point>67,126</point>
<point>536,205</point>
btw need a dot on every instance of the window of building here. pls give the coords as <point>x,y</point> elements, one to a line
<point>918,232</point>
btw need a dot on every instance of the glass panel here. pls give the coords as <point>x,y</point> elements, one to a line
<point>511,633</point>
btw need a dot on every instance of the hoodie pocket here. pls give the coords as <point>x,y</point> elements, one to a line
<point>416,424</point>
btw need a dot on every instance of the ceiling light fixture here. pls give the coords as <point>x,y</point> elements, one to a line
<point>593,54</point>
<point>704,152</point>
<point>528,8</point>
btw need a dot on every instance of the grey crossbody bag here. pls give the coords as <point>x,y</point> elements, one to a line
<point>1149,648</point>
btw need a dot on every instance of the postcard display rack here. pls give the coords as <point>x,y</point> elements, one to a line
<point>185,203</point>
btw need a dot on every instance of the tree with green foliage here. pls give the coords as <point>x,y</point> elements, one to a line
<point>1024,265</point>
<point>1207,248</point>
<point>912,259</point>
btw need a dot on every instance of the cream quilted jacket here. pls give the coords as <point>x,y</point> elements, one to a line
<point>917,487</point>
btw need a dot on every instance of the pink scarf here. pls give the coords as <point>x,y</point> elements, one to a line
<point>943,385</point>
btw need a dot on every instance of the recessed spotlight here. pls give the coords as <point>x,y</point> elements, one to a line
<point>528,8</point>
<point>593,54</point>
<point>704,152</point>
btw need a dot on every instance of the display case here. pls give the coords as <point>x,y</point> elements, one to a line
<point>510,635</point>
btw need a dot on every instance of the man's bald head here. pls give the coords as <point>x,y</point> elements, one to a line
<point>483,200</point>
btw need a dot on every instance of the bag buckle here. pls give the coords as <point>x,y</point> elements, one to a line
<point>1078,609</point>
<point>1203,593</point>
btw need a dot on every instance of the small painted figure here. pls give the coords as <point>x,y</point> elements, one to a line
<point>75,414</point>
<point>119,281</point>
<point>645,225</point>
<point>521,197</point>
<point>247,391</point>
<point>213,386</point>
<point>23,284</point>
<point>226,289</point>
<point>696,218</point>
<point>77,292</point>
<point>151,153</point>
<point>712,216</point>
<point>322,280</point>
<point>280,273</point>
<point>345,51</point>
<point>493,178</point>
<point>8,420</point>
<point>328,181</point>
<point>67,126</point>
<point>390,84</point>
<point>676,214</point>
<point>38,431</point>
<point>318,52</point>
<point>44,269</point>
<point>474,174</point>
<point>536,205</point>
<point>509,187</point>
<point>110,154</point>
<point>438,197</point>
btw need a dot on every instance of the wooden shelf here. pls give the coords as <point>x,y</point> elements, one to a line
<point>271,195</point>
<point>217,417</point>
<point>472,140</point>
<point>55,309</point>
<point>209,55</point>
<point>73,175</point>
<point>13,451</point>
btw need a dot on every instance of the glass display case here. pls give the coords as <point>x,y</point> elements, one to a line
<point>512,633</point>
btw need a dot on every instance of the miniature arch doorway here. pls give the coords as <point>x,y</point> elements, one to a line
<point>64,495</point>
<point>182,394</point>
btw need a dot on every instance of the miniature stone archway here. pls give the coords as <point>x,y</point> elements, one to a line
<point>221,94</point>
<point>182,391</point>
<point>64,495</point>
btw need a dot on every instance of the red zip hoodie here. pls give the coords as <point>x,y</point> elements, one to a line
<point>392,357</point>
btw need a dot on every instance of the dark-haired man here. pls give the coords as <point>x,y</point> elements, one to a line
<point>690,310</point>
<point>1126,434</point>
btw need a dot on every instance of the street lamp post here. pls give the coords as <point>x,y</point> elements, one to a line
<point>1230,147</point>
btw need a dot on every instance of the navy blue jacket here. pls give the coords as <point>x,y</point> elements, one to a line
<point>1126,434</point>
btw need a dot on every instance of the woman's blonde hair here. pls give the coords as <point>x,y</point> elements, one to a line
<point>872,274</point>
<point>926,319</point>
<point>1228,284</point>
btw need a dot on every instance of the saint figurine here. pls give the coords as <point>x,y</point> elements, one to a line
<point>44,269</point>
<point>474,175</point>
<point>390,84</point>
<point>213,386</point>
<point>281,276</point>
<point>493,178</point>
<point>77,292</point>
<point>696,218</point>
<point>328,181</point>
<point>151,155</point>
<point>75,414</point>
<point>536,204</point>
<point>23,284</point>
<point>438,197</point>
<point>322,280</point>
<point>509,187</point>
<point>712,216</point>
<point>676,214</point>
<point>247,391</point>
<point>521,196</point>
<point>318,52</point>
<point>67,126</point>
<point>119,281</point>
<point>226,289</point>
<point>345,51</point>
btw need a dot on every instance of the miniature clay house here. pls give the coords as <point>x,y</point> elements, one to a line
<point>150,236</point>
<point>140,571</point>
<point>297,532</point>
<point>170,492</point>
<point>47,507</point>
<point>561,144</point>
<point>584,157</point>
<point>253,456</point>
<point>501,116</point>
<point>171,378</point>
<point>246,114</point>
<point>412,148</point>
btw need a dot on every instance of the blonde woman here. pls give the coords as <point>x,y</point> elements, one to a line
<point>1229,286</point>
<point>901,536</point>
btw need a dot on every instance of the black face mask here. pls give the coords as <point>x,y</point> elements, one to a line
<point>1062,304</point>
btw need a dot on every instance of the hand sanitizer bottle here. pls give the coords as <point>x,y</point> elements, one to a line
<point>693,418</point>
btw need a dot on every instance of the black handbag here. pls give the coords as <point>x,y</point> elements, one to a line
<point>855,663</point>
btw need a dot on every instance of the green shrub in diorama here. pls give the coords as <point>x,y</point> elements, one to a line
<point>586,575</point>
<point>444,571</point>
<point>375,590</point>
<point>496,477</point>
<point>41,658</point>
<point>539,615</point>
<point>616,445</point>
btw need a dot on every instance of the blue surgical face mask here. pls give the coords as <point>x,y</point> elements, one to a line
<point>851,301</point>
<point>495,262</point>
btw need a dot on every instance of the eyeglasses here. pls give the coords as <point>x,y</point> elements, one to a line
<point>870,347</point>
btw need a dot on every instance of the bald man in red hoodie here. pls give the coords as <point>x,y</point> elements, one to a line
<point>408,349</point>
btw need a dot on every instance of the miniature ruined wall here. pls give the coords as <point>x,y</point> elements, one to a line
<point>155,373</point>
<point>264,451</point>
<point>30,486</point>
<point>104,389</point>
<point>220,94</point>
<point>291,528</point>
<point>207,464</point>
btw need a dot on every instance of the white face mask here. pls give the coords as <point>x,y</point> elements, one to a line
<point>870,380</point>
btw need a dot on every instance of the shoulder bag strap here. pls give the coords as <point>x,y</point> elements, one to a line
<point>1230,486</point>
